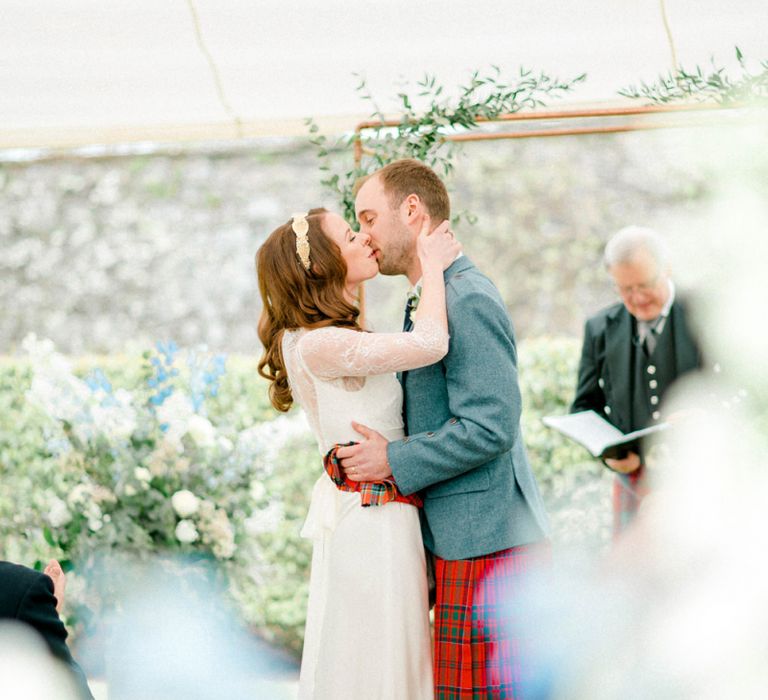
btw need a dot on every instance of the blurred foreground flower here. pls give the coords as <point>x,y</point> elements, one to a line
<point>144,467</point>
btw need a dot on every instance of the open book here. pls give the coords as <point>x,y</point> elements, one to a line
<point>596,434</point>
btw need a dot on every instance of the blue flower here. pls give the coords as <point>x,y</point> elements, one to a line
<point>97,380</point>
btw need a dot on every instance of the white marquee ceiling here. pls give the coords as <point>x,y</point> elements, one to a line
<point>89,71</point>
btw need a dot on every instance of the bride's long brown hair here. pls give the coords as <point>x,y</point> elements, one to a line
<point>294,297</point>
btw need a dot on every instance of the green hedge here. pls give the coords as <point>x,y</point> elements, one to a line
<point>268,574</point>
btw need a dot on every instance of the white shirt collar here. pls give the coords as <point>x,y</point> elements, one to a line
<point>657,324</point>
<point>671,300</point>
<point>415,290</point>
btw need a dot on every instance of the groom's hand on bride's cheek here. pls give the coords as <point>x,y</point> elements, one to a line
<point>367,460</point>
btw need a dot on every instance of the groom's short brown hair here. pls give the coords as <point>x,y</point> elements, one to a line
<point>410,176</point>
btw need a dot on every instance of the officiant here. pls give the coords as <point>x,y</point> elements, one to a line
<point>633,351</point>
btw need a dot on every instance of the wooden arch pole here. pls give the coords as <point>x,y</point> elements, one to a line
<point>592,121</point>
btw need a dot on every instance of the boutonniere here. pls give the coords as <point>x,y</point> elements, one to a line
<point>414,297</point>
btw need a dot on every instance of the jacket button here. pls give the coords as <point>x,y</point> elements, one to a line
<point>653,384</point>
<point>607,410</point>
<point>651,369</point>
<point>601,382</point>
<point>656,415</point>
<point>654,400</point>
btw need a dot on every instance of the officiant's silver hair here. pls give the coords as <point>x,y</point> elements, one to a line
<point>624,245</point>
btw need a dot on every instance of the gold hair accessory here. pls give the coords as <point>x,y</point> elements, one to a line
<point>300,226</point>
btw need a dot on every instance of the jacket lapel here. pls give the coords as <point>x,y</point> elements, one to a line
<point>407,328</point>
<point>457,266</point>
<point>686,351</point>
<point>618,357</point>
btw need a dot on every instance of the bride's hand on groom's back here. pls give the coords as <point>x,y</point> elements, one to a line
<point>438,246</point>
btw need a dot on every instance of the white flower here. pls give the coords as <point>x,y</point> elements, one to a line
<point>201,431</point>
<point>181,465</point>
<point>225,444</point>
<point>170,445</point>
<point>143,474</point>
<point>414,297</point>
<point>79,494</point>
<point>220,533</point>
<point>94,515</point>
<point>115,419</point>
<point>264,520</point>
<point>175,409</point>
<point>186,532</point>
<point>262,442</point>
<point>175,413</point>
<point>101,494</point>
<point>130,490</point>
<point>185,503</point>
<point>258,490</point>
<point>207,510</point>
<point>58,514</point>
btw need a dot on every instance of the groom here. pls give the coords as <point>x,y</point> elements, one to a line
<point>483,518</point>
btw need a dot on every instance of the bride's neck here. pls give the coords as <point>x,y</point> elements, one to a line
<point>351,293</point>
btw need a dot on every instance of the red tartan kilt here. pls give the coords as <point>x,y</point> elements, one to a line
<point>629,490</point>
<point>480,636</point>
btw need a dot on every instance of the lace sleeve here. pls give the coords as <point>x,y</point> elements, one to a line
<point>340,352</point>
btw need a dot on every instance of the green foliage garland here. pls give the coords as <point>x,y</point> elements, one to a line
<point>713,85</point>
<point>420,134</point>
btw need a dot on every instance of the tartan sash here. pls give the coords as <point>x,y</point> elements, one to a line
<point>372,493</point>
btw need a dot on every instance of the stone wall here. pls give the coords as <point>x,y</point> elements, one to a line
<point>108,252</point>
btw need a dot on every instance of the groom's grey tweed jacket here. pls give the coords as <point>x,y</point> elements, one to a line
<point>464,449</point>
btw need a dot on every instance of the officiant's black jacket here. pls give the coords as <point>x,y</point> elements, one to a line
<point>618,380</point>
<point>27,596</point>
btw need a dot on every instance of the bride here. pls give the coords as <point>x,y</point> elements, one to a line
<point>367,632</point>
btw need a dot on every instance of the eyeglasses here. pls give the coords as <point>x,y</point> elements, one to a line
<point>644,288</point>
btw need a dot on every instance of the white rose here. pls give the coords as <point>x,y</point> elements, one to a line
<point>175,409</point>
<point>186,532</point>
<point>116,422</point>
<point>94,515</point>
<point>59,514</point>
<point>185,503</point>
<point>175,412</point>
<point>80,494</point>
<point>258,490</point>
<point>201,431</point>
<point>143,474</point>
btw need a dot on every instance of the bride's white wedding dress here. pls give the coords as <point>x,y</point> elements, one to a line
<point>367,634</point>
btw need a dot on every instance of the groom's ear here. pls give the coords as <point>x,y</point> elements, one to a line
<point>413,209</point>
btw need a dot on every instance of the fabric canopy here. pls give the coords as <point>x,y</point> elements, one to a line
<point>85,71</point>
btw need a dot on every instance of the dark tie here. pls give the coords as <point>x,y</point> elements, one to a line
<point>407,322</point>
